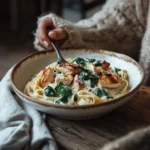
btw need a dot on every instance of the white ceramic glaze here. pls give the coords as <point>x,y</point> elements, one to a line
<point>34,63</point>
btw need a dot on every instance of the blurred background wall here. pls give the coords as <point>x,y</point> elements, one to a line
<point>18,22</point>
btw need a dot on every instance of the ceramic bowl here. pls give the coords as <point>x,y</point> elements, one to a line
<point>26,68</point>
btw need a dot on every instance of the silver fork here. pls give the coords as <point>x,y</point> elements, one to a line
<point>60,58</point>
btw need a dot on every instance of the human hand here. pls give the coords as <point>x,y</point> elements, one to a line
<point>44,37</point>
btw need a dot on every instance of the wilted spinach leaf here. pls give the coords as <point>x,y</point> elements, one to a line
<point>93,78</point>
<point>80,61</point>
<point>49,91</point>
<point>91,60</point>
<point>117,70</point>
<point>100,92</point>
<point>83,75</point>
<point>97,63</point>
<point>63,99</point>
<point>63,90</point>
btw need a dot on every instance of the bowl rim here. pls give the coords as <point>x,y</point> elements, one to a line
<point>47,104</point>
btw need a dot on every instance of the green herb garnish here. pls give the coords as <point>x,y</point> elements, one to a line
<point>57,72</point>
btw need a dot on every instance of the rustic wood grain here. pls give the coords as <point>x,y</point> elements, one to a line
<point>93,134</point>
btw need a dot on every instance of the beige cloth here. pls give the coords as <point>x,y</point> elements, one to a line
<point>21,126</point>
<point>136,140</point>
<point>121,25</point>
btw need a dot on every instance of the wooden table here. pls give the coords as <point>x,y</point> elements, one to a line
<point>93,134</point>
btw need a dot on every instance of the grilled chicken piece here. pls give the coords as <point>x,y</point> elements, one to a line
<point>98,70</point>
<point>77,84</point>
<point>95,69</point>
<point>109,81</point>
<point>105,65</point>
<point>47,77</point>
<point>64,78</point>
<point>69,68</point>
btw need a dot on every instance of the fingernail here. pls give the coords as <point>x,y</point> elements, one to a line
<point>45,43</point>
<point>53,34</point>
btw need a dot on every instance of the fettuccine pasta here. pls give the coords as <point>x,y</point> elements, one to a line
<point>78,82</point>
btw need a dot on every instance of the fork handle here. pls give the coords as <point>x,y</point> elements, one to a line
<point>59,55</point>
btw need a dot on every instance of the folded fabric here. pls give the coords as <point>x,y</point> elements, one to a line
<point>135,140</point>
<point>21,126</point>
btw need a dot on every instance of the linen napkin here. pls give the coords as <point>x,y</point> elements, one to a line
<point>21,126</point>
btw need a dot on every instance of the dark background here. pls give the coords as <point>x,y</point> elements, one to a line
<point>18,23</point>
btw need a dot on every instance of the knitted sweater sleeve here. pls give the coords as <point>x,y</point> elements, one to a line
<point>118,27</point>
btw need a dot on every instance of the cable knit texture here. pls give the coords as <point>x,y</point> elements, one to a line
<point>121,25</point>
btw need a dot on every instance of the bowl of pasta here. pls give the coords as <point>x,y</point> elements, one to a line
<point>91,83</point>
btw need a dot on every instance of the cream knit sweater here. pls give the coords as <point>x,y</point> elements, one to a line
<point>122,26</point>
